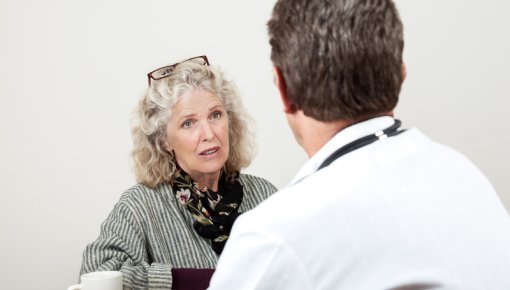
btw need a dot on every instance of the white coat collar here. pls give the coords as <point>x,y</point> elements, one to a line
<point>342,138</point>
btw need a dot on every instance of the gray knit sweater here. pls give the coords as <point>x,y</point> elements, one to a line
<point>149,232</point>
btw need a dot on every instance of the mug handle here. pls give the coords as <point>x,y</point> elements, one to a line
<point>75,287</point>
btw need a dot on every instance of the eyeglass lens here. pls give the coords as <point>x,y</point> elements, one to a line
<point>167,70</point>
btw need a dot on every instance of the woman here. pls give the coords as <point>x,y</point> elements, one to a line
<point>190,142</point>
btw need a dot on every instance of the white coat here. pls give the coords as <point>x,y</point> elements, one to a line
<point>400,213</point>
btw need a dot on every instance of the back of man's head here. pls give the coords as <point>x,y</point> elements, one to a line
<point>341,59</point>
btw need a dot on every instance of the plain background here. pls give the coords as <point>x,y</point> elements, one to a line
<point>72,71</point>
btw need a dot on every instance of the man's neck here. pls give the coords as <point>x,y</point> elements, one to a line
<point>312,134</point>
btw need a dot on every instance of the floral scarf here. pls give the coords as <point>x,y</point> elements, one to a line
<point>214,212</point>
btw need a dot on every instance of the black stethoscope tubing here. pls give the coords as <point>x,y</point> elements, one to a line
<point>361,142</point>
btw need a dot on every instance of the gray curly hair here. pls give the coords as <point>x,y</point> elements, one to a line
<point>154,164</point>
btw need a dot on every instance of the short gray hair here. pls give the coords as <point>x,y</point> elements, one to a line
<point>154,164</point>
<point>342,59</point>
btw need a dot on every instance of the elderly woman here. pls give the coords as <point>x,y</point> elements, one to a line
<point>190,142</point>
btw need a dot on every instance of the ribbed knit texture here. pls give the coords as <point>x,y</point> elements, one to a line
<point>149,232</point>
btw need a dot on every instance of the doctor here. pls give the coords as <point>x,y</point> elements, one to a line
<point>374,207</point>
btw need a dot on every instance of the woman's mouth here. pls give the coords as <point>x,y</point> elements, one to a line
<point>210,152</point>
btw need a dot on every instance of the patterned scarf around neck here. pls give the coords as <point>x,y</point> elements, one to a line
<point>214,212</point>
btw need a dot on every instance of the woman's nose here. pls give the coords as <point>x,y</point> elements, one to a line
<point>206,132</point>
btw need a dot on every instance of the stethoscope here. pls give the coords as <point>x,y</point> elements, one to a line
<point>363,141</point>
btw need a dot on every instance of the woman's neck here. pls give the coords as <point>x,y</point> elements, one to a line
<point>208,180</point>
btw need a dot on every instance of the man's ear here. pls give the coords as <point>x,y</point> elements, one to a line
<point>288,106</point>
<point>404,71</point>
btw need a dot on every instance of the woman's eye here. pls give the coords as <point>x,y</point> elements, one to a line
<point>216,115</point>
<point>186,124</point>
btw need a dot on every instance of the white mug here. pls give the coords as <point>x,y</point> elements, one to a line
<point>104,280</point>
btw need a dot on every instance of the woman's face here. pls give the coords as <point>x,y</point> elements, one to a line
<point>197,132</point>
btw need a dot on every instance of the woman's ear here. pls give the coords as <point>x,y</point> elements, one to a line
<point>166,145</point>
<point>288,106</point>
